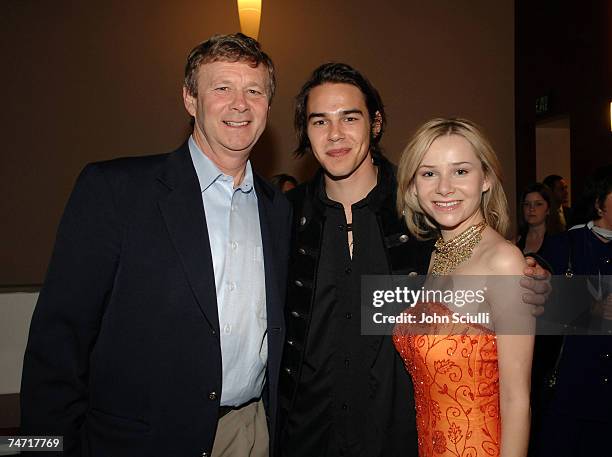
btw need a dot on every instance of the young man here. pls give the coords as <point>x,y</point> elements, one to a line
<point>161,315</point>
<point>343,393</point>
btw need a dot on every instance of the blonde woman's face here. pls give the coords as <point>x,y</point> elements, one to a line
<point>449,183</point>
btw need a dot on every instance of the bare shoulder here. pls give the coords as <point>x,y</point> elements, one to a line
<point>502,257</point>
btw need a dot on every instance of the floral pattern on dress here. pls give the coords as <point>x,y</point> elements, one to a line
<point>456,387</point>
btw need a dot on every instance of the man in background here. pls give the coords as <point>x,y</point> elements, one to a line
<point>560,213</point>
<point>285,182</point>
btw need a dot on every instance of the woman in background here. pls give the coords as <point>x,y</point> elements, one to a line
<point>471,380</point>
<point>536,202</point>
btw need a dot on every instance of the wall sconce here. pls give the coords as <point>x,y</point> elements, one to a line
<point>249,12</point>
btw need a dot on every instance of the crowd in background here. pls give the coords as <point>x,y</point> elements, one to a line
<point>572,371</point>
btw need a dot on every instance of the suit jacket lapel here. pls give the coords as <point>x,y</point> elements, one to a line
<point>268,235</point>
<point>183,213</point>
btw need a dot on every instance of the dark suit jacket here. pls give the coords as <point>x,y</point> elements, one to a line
<point>123,356</point>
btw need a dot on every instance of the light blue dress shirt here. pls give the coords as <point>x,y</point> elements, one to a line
<point>232,218</point>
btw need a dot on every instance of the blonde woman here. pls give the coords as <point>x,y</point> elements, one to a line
<point>472,380</point>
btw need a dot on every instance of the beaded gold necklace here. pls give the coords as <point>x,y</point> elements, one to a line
<point>448,255</point>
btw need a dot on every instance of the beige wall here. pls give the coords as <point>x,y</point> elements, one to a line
<point>553,150</point>
<point>16,313</point>
<point>86,81</point>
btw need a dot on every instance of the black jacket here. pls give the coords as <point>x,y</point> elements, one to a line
<point>123,356</point>
<point>390,429</point>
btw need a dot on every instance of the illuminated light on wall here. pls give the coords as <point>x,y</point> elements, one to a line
<point>249,12</point>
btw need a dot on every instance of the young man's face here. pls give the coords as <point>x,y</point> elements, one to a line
<point>230,108</point>
<point>338,127</point>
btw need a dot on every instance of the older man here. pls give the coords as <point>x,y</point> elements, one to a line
<point>159,328</point>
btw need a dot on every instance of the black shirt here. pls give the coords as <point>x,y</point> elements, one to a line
<point>330,413</point>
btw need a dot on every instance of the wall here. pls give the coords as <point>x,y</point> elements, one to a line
<point>564,50</point>
<point>17,311</point>
<point>95,80</point>
<point>553,150</point>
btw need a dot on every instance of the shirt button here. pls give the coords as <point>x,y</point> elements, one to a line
<point>234,245</point>
<point>204,454</point>
<point>302,251</point>
<point>348,315</point>
<point>232,286</point>
<point>348,271</point>
<point>212,396</point>
<point>299,283</point>
<point>302,220</point>
<point>344,406</point>
<point>403,238</point>
<point>347,363</point>
<point>227,329</point>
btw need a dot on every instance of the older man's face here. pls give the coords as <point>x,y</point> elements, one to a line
<point>230,108</point>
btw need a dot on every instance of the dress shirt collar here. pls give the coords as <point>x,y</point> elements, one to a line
<point>208,172</point>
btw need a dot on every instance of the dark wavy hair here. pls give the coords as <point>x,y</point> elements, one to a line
<point>338,73</point>
<point>227,48</point>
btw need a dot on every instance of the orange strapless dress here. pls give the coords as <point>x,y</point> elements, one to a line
<point>456,385</point>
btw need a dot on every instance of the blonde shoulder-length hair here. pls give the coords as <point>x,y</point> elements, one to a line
<point>493,204</point>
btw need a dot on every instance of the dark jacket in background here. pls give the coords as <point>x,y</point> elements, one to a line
<point>576,416</point>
